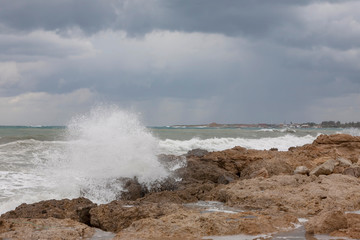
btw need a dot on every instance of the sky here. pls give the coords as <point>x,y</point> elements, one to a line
<point>180,61</point>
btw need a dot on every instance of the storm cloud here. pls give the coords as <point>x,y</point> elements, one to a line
<point>180,62</point>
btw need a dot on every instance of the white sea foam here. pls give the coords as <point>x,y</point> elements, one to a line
<point>178,147</point>
<point>105,145</point>
<point>351,131</point>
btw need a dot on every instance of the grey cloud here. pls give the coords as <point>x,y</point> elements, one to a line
<point>91,16</point>
<point>230,17</point>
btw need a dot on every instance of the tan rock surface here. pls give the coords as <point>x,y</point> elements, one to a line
<point>190,224</point>
<point>76,209</point>
<point>296,194</point>
<point>49,228</point>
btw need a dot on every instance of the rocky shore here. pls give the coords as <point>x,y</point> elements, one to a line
<point>231,192</point>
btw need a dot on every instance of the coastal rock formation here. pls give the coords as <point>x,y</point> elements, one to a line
<point>47,229</point>
<point>76,209</point>
<point>267,192</point>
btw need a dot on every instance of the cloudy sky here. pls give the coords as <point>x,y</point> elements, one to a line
<point>180,61</point>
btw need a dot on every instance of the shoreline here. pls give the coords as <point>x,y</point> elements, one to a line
<point>256,192</point>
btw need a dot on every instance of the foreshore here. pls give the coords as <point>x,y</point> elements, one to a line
<point>236,191</point>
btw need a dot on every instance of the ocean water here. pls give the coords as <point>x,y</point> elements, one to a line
<point>89,155</point>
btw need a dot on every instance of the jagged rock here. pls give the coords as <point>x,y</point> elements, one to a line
<point>352,171</point>
<point>353,227</point>
<point>76,209</point>
<point>260,173</point>
<point>197,152</point>
<point>336,139</point>
<point>343,162</point>
<point>296,194</point>
<point>326,222</point>
<point>46,229</point>
<point>192,224</point>
<point>225,179</point>
<point>133,189</point>
<point>118,215</point>
<point>324,169</point>
<point>302,170</point>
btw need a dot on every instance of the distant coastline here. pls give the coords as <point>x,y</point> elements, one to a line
<point>324,124</point>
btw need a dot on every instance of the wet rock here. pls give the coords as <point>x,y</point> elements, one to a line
<point>47,229</point>
<point>302,170</point>
<point>324,169</point>
<point>203,170</point>
<point>76,209</point>
<point>326,222</point>
<point>352,171</point>
<point>133,189</point>
<point>197,152</point>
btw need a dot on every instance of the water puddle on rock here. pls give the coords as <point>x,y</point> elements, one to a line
<point>102,235</point>
<point>212,206</point>
<point>298,232</point>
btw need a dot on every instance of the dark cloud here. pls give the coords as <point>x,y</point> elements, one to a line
<point>230,17</point>
<point>184,61</point>
<point>90,16</point>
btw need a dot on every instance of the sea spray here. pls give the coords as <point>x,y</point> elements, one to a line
<point>105,145</point>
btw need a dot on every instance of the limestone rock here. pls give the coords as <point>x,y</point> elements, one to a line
<point>326,222</point>
<point>343,162</point>
<point>76,209</point>
<point>352,171</point>
<point>324,169</point>
<point>353,227</point>
<point>336,139</point>
<point>260,173</point>
<point>197,152</point>
<point>46,229</point>
<point>117,215</point>
<point>302,170</point>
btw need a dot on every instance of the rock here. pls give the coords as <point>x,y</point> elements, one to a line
<point>192,224</point>
<point>304,195</point>
<point>326,222</point>
<point>225,179</point>
<point>343,162</point>
<point>324,169</point>
<point>302,170</point>
<point>133,189</point>
<point>336,139</point>
<point>353,227</point>
<point>50,228</point>
<point>76,209</point>
<point>260,173</point>
<point>273,166</point>
<point>197,152</point>
<point>118,215</point>
<point>352,171</point>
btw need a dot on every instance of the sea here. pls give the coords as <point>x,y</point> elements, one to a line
<point>89,155</point>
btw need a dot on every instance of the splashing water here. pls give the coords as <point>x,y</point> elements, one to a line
<point>103,146</point>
